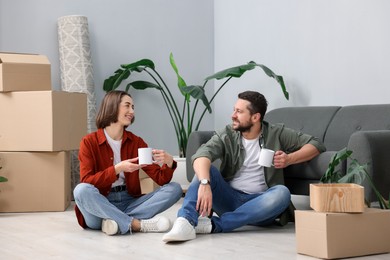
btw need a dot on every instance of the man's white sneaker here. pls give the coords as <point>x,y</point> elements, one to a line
<point>155,225</point>
<point>204,226</point>
<point>110,227</point>
<point>182,230</point>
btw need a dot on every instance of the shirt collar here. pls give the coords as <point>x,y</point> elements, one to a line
<point>102,137</point>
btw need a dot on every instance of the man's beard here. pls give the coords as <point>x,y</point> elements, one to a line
<point>243,127</point>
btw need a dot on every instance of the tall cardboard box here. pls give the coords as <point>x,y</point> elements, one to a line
<point>37,181</point>
<point>42,120</point>
<point>340,235</point>
<point>24,72</point>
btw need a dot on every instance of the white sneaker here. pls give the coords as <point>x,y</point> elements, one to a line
<point>110,227</point>
<point>156,224</point>
<point>182,230</point>
<point>204,226</point>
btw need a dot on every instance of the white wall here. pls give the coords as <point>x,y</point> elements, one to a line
<point>123,31</point>
<point>330,52</point>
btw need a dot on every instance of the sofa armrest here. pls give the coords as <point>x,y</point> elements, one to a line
<point>195,140</point>
<point>372,147</point>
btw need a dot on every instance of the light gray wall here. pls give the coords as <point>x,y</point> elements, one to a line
<point>123,31</point>
<point>330,52</point>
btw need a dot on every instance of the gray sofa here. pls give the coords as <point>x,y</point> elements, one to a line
<point>364,129</point>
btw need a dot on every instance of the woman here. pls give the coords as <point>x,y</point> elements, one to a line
<point>109,195</point>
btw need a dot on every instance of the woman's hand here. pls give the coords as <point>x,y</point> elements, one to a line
<point>129,165</point>
<point>161,157</point>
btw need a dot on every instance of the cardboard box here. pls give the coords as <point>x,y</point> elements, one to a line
<point>337,197</point>
<point>339,235</point>
<point>147,184</point>
<point>37,181</point>
<point>24,72</point>
<point>42,120</point>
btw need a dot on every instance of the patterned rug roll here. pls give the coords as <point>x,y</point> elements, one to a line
<point>76,70</point>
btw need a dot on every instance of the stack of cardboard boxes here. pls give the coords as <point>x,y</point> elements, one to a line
<point>339,225</point>
<point>38,129</point>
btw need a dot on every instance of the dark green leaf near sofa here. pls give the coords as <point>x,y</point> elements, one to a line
<point>364,129</point>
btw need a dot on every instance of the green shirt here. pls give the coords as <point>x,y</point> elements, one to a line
<point>226,145</point>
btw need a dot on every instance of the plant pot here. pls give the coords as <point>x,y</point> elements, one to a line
<point>180,174</point>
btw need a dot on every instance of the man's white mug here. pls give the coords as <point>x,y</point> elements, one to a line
<point>145,156</point>
<point>266,157</point>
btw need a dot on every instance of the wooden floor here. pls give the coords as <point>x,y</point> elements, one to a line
<point>56,235</point>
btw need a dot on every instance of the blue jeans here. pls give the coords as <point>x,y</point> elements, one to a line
<point>235,208</point>
<point>122,207</point>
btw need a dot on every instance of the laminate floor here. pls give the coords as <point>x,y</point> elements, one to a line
<point>56,235</point>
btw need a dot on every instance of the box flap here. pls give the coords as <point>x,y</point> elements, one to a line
<point>23,58</point>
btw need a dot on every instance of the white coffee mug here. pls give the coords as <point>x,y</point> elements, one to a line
<point>145,156</point>
<point>266,157</point>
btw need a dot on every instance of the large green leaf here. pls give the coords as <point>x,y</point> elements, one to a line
<point>232,72</point>
<point>238,71</point>
<point>278,78</point>
<point>114,81</point>
<point>141,85</point>
<point>197,92</point>
<point>332,175</point>
<point>356,173</point>
<point>180,81</point>
<point>141,63</point>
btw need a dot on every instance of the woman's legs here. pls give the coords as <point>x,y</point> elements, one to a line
<point>95,207</point>
<point>121,207</point>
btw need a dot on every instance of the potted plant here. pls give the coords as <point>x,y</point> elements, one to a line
<point>356,173</point>
<point>183,119</point>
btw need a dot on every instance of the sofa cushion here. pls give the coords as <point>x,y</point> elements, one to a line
<point>309,120</point>
<point>350,119</point>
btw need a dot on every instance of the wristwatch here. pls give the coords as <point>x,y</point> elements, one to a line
<point>204,181</point>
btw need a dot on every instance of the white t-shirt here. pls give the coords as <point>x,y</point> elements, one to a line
<point>250,178</point>
<point>116,148</point>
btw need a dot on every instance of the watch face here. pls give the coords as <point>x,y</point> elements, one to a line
<point>204,181</point>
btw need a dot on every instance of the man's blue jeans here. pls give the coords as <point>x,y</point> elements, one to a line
<point>234,208</point>
<point>121,207</point>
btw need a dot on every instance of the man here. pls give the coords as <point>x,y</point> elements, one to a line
<point>242,192</point>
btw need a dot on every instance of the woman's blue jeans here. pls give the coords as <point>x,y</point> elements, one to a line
<point>235,208</point>
<point>122,207</point>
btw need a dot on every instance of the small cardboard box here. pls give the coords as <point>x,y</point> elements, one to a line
<point>337,197</point>
<point>339,235</point>
<point>147,184</point>
<point>42,120</point>
<point>24,72</point>
<point>37,181</point>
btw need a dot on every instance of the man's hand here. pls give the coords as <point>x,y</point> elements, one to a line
<point>205,200</point>
<point>281,160</point>
<point>306,153</point>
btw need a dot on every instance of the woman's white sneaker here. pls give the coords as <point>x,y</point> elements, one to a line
<point>110,227</point>
<point>155,225</point>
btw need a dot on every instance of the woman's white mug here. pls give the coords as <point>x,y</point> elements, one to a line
<point>145,156</point>
<point>266,157</point>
